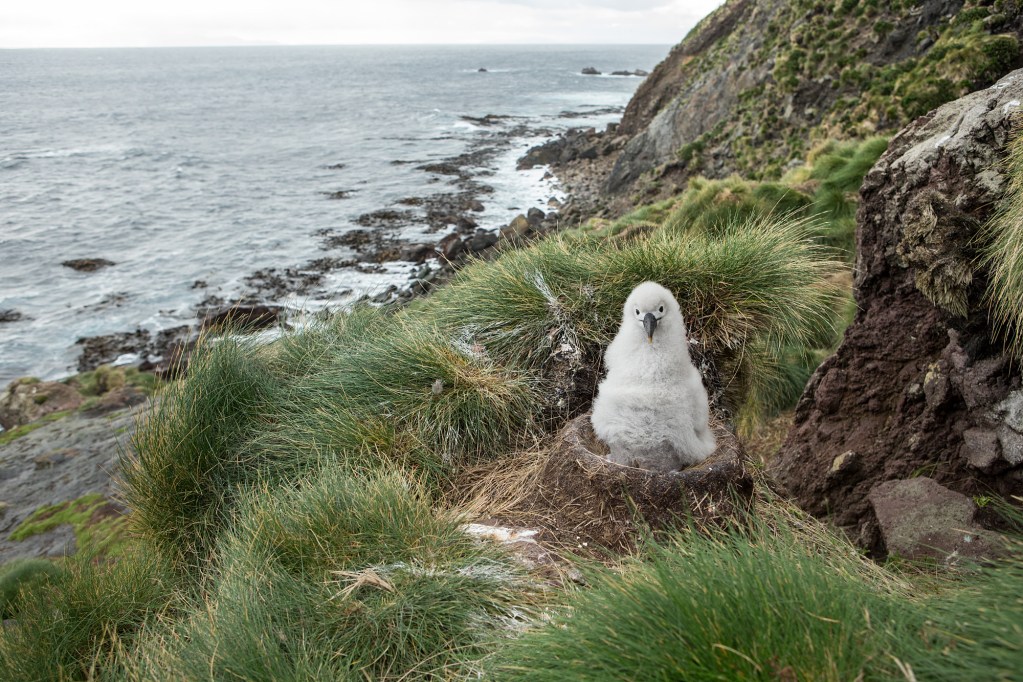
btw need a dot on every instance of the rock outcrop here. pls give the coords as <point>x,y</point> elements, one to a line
<point>27,400</point>
<point>920,384</point>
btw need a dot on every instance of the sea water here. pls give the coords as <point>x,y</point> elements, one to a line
<point>186,165</point>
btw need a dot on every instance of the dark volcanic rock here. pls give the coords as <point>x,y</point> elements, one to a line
<point>87,264</point>
<point>590,71</point>
<point>102,350</point>
<point>387,218</point>
<point>338,194</point>
<point>242,318</point>
<point>10,315</point>
<point>920,381</point>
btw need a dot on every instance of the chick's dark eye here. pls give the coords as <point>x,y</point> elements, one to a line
<point>661,309</point>
<point>637,311</point>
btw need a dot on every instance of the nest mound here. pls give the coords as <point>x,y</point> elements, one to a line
<point>580,501</point>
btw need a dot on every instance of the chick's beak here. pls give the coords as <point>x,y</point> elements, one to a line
<point>650,325</point>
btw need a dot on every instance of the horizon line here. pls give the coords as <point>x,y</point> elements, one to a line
<point>243,45</point>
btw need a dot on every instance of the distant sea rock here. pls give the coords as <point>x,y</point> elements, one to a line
<point>88,264</point>
<point>590,71</point>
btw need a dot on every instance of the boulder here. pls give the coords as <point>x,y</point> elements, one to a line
<point>451,246</point>
<point>518,229</point>
<point>482,240</point>
<point>26,400</point>
<point>920,381</point>
<point>920,519</point>
<point>590,71</point>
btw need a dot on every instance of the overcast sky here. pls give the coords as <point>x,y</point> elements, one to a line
<point>146,23</point>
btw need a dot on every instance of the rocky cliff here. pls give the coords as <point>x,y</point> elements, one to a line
<point>756,84</point>
<point>920,408</point>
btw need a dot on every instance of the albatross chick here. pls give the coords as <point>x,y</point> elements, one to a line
<point>652,409</point>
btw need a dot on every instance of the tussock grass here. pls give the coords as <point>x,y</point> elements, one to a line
<point>763,281</point>
<point>1003,254</point>
<point>190,458</point>
<point>343,577</point>
<point>839,168</point>
<point>823,192</point>
<point>710,206</point>
<point>779,599</point>
<point>975,629</point>
<point>21,574</point>
<point>71,626</point>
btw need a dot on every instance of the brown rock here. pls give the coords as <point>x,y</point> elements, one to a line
<point>517,230</point>
<point>27,400</point>
<point>451,246</point>
<point>920,519</point>
<point>920,381</point>
<point>980,448</point>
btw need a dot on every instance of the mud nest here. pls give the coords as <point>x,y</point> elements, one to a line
<point>580,501</point>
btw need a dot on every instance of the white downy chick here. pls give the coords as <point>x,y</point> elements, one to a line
<point>651,408</point>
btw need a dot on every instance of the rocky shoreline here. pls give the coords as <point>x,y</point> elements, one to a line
<point>379,240</point>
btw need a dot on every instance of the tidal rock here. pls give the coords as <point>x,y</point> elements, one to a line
<point>10,315</point>
<point>451,246</point>
<point>88,264</point>
<point>26,400</point>
<point>105,349</point>
<point>517,230</point>
<point>590,71</point>
<point>920,381</point>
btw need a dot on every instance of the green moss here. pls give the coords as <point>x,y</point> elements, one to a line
<point>99,526</point>
<point>106,378</point>
<point>19,431</point>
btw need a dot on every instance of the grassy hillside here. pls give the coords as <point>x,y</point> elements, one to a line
<point>760,83</point>
<point>295,502</point>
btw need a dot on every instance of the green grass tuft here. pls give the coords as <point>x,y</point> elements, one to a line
<point>764,602</point>
<point>1003,255</point>
<point>72,626</point>
<point>343,577</point>
<point>190,460</point>
<point>22,574</point>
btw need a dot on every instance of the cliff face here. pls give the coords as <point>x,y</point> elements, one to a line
<point>758,82</point>
<point>921,385</point>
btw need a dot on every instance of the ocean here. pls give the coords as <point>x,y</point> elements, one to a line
<point>192,168</point>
